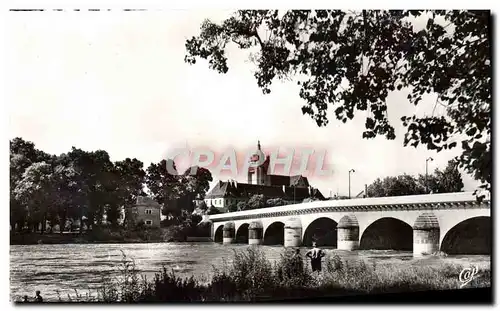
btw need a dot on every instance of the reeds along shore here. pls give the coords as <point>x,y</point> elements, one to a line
<point>252,277</point>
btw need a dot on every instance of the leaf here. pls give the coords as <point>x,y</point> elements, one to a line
<point>370,124</point>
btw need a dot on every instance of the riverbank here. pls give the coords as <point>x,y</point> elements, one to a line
<point>250,276</point>
<point>105,236</point>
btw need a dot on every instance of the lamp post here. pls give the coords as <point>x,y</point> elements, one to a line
<point>426,164</point>
<point>350,171</point>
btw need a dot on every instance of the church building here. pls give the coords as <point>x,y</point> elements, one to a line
<point>289,188</point>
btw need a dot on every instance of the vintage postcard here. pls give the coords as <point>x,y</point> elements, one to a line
<point>168,155</point>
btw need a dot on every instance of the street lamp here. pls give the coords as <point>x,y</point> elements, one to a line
<point>350,171</point>
<point>426,164</point>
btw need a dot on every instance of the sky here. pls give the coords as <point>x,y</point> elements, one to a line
<point>118,81</point>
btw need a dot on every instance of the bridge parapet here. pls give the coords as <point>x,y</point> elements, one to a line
<point>458,200</point>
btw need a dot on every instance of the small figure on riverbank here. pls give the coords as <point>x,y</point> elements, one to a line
<point>315,254</point>
<point>25,298</point>
<point>38,297</point>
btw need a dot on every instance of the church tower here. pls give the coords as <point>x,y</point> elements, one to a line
<point>258,175</point>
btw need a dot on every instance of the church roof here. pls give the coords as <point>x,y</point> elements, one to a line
<point>237,190</point>
<point>294,180</point>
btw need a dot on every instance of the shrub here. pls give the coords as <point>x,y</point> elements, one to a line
<point>242,206</point>
<point>251,276</point>
<point>275,202</point>
<point>257,201</point>
<point>203,230</point>
<point>291,273</point>
<point>233,207</point>
<point>169,287</point>
<point>212,210</point>
<point>252,273</point>
<point>203,206</point>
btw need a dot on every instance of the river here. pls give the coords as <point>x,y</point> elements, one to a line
<point>66,267</point>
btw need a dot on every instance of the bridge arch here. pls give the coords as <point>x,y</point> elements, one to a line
<point>387,233</point>
<point>470,236</point>
<point>242,234</point>
<point>323,231</point>
<point>275,233</point>
<point>218,234</point>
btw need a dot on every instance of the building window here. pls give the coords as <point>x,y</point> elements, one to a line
<point>149,222</point>
<point>149,212</point>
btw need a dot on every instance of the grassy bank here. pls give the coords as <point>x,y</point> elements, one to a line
<point>252,277</point>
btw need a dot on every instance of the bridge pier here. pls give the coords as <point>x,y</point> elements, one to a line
<point>228,233</point>
<point>348,233</point>
<point>255,233</point>
<point>348,238</point>
<point>293,233</point>
<point>425,235</point>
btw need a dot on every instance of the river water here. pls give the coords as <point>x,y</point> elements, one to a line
<point>65,267</point>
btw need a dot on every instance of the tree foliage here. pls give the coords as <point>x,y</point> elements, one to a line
<point>349,62</point>
<point>257,201</point>
<point>212,210</point>
<point>88,187</point>
<point>76,185</point>
<point>232,207</point>
<point>242,206</point>
<point>163,185</point>
<point>446,181</point>
<point>275,202</point>
<point>177,192</point>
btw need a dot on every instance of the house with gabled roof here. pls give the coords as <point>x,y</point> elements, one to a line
<point>289,188</point>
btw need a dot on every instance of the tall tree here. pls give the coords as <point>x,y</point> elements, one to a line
<point>394,186</point>
<point>100,183</point>
<point>197,183</point>
<point>22,155</point>
<point>428,183</point>
<point>351,61</point>
<point>450,179</point>
<point>445,181</point>
<point>81,162</point>
<point>127,183</point>
<point>65,176</point>
<point>164,187</point>
<point>36,190</point>
<point>194,184</point>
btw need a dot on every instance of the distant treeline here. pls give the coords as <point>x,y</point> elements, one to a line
<point>445,181</point>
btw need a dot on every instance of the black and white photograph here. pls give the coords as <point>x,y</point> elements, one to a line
<point>167,155</point>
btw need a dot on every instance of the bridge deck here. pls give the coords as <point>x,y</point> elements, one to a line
<point>412,202</point>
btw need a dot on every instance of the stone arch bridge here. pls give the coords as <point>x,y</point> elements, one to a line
<point>451,222</point>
